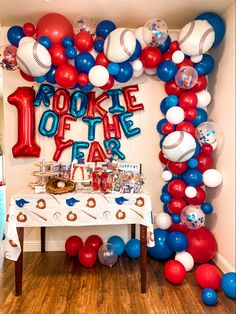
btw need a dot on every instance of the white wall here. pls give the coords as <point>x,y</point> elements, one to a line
<point>222,112</point>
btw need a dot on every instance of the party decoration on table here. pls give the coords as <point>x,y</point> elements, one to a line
<point>106,254</point>
<point>40,216</point>
<point>208,276</point>
<point>174,272</point>
<point>129,182</point>
<point>228,284</point>
<point>21,202</point>
<point>95,241</point>
<point>72,245</point>
<point>72,201</point>
<point>139,202</point>
<point>53,188</point>
<point>91,202</point>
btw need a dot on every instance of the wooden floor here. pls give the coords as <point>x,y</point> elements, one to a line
<point>54,283</point>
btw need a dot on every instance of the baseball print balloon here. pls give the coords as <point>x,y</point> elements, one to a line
<point>119,45</point>
<point>196,38</point>
<point>33,58</point>
<point>179,146</point>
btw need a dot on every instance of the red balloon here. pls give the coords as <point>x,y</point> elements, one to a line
<point>186,62</point>
<point>95,241</point>
<point>177,167</point>
<point>176,205</point>
<point>208,276</point>
<point>198,199</point>
<point>114,127</point>
<point>82,79</point>
<point>63,125</point>
<point>168,128</point>
<point>162,158</point>
<point>200,85</point>
<point>66,75</point>
<point>201,245</point>
<point>83,41</point>
<point>150,57</point>
<point>205,162</point>
<point>27,77</point>
<point>87,256</point>
<point>176,188</point>
<point>130,100</point>
<point>26,146</point>
<point>188,100</point>
<point>73,245</point>
<point>186,127</point>
<point>178,227</point>
<point>207,149</point>
<point>101,59</point>
<point>172,88</point>
<point>109,84</point>
<point>60,144</point>
<point>59,106</point>
<point>55,26</point>
<point>190,113</point>
<point>58,55</point>
<point>167,56</point>
<point>96,153</point>
<point>174,272</point>
<point>29,29</point>
<point>174,46</point>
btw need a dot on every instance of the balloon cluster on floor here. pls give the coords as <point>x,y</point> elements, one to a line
<point>94,249</point>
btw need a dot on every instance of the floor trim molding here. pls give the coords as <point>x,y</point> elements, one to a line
<point>223,264</point>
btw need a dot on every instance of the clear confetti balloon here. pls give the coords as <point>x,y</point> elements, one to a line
<point>8,58</point>
<point>210,133</point>
<point>155,32</point>
<point>106,254</point>
<point>84,23</point>
<point>186,77</point>
<point>192,217</point>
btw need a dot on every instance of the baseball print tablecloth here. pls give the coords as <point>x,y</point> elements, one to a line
<point>74,209</point>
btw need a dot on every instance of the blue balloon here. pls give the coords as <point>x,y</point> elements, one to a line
<point>115,97</point>
<point>50,76</point>
<point>113,145</point>
<point>104,28</point>
<point>82,98</point>
<point>49,114</point>
<point>86,88</point>
<point>165,46</point>
<point>132,248</point>
<point>202,116</point>
<point>209,296</point>
<point>192,177</point>
<point>162,140</point>
<point>168,102</point>
<point>113,68</point>
<point>165,188</point>
<point>45,92</point>
<point>127,124</point>
<point>125,73</point>
<point>92,126</point>
<point>84,61</point>
<point>165,198</point>
<point>137,51</point>
<point>177,241</point>
<point>198,149</point>
<point>40,79</point>
<point>71,52</point>
<point>166,210</point>
<point>160,125</point>
<point>98,45</point>
<point>118,243</point>
<point>192,163</point>
<point>15,34</point>
<point>216,22</point>
<point>161,250</point>
<point>68,42</point>
<point>166,70</point>
<point>76,153</point>
<point>205,66</point>
<point>176,218</point>
<point>228,284</point>
<point>207,208</point>
<point>45,41</point>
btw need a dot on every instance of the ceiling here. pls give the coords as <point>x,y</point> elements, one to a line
<point>129,13</point>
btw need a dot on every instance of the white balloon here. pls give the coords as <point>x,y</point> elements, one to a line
<point>166,175</point>
<point>98,75</point>
<point>119,45</point>
<point>179,146</point>
<point>185,259</point>
<point>139,34</point>
<point>138,73</point>
<point>190,192</point>
<point>204,98</point>
<point>25,40</point>
<point>33,58</point>
<point>212,178</point>
<point>196,59</point>
<point>137,65</point>
<point>178,56</point>
<point>163,221</point>
<point>175,115</point>
<point>152,71</point>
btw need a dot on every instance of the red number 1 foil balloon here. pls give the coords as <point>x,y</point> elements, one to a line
<point>23,99</point>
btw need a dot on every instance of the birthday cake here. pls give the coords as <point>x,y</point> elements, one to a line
<point>80,173</point>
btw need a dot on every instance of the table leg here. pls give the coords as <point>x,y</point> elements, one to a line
<point>19,263</point>
<point>143,257</point>
<point>43,238</point>
<point>133,231</point>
